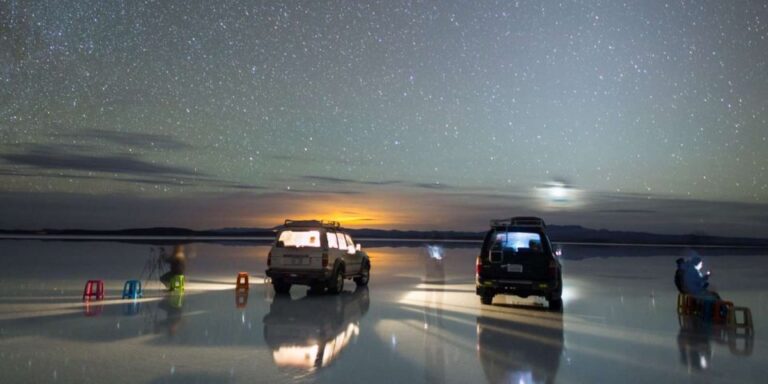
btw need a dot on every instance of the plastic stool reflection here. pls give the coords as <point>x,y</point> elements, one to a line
<point>241,299</point>
<point>131,308</point>
<point>93,309</point>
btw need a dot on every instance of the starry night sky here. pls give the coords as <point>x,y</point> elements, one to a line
<point>637,115</point>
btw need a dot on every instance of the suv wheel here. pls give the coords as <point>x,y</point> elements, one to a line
<point>281,287</point>
<point>486,299</point>
<point>317,288</point>
<point>555,302</point>
<point>365,275</point>
<point>336,284</point>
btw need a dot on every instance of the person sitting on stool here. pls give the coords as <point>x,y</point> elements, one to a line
<point>696,282</point>
<point>177,263</point>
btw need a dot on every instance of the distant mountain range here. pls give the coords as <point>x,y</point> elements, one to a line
<point>557,233</point>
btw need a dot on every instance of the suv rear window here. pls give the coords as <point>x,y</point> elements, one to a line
<point>518,242</point>
<point>299,239</point>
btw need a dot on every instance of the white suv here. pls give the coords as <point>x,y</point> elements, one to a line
<point>316,253</point>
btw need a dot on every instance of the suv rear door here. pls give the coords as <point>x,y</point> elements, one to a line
<point>299,249</point>
<point>521,254</point>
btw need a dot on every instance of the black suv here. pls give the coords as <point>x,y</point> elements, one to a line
<point>517,259</point>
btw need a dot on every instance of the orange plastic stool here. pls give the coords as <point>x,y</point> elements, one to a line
<point>242,282</point>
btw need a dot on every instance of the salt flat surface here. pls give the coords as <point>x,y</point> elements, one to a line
<point>419,321</point>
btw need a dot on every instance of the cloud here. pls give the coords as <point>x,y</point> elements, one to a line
<point>37,173</point>
<point>625,211</point>
<point>338,180</point>
<point>48,157</point>
<point>75,162</point>
<point>316,191</point>
<point>130,139</point>
<point>175,180</point>
<point>244,187</point>
<point>431,186</point>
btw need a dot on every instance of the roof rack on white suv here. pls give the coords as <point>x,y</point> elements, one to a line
<point>312,223</point>
<point>519,221</point>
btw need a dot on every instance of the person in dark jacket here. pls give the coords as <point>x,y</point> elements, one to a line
<point>680,273</point>
<point>177,264</point>
<point>696,282</point>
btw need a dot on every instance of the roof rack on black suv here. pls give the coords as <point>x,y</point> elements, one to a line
<point>517,259</point>
<point>519,221</point>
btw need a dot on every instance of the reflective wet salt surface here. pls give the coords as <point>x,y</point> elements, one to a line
<point>418,321</point>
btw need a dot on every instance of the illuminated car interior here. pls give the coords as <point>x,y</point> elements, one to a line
<point>300,239</point>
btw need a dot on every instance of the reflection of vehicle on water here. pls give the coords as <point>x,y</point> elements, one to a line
<point>434,270</point>
<point>310,333</point>
<point>695,337</point>
<point>521,348</point>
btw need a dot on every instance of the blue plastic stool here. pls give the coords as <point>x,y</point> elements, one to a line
<point>132,289</point>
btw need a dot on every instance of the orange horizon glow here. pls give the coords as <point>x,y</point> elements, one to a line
<point>385,209</point>
<point>348,216</point>
<point>379,212</point>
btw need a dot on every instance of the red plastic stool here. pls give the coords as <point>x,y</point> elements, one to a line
<point>242,282</point>
<point>95,289</point>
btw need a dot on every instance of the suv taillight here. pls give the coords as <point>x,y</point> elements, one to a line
<point>269,259</point>
<point>325,259</point>
<point>552,269</point>
<point>478,267</point>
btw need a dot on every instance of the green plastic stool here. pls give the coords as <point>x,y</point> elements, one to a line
<point>177,283</point>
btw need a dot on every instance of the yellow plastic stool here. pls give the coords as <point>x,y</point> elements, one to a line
<point>177,283</point>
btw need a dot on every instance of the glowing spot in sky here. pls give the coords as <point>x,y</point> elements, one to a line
<point>558,192</point>
<point>557,195</point>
